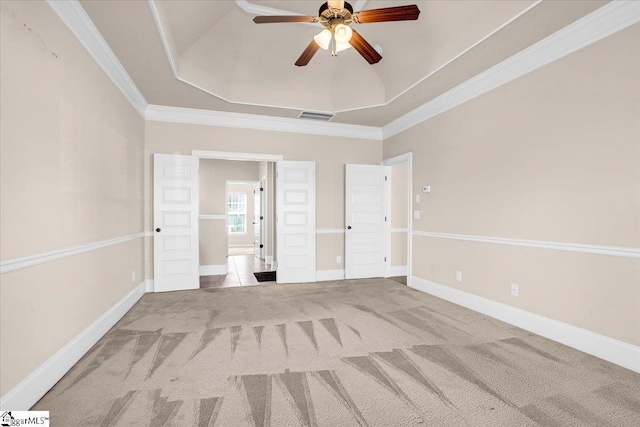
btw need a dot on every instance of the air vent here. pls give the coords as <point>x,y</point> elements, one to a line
<point>310,115</point>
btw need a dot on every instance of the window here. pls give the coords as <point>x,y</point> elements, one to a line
<point>237,219</point>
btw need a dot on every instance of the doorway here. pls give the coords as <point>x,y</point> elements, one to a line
<point>401,224</point>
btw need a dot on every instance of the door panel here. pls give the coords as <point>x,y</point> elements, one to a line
<point>175,216</point>
<point>366,221</point>
<point>296,221</point>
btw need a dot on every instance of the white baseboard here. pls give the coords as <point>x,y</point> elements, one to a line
<point>268,259</point>
<point>213,270</point>
<point>609,349</point>
<point>324,275</point>
<point>398,270</point>
<point>24,395</point>
<point>149,285</point>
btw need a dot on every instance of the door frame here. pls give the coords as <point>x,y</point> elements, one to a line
<point>406,157</point>
<point>229,155</point>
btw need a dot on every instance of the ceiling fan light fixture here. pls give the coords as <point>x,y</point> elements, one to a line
<point>323,39</point>
<point>343,33</point>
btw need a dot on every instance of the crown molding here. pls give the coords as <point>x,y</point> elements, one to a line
<point>160,113</point>
<point>74,16</point>
<point>607,20</point>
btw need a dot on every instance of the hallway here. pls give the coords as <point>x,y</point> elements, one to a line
<point>240,269</point>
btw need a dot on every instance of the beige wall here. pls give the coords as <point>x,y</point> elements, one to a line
<point>399,208</point>
<point>551,156</point>
<point>330,155</point>
<point>214,175</point>
<point>71,152</point>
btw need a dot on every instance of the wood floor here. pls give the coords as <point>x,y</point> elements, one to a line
<point>240,269</point>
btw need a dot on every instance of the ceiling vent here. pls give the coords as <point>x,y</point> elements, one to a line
<point>310,115</point>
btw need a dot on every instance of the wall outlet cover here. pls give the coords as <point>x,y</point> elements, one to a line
<point>514,289</point>
<point>338,259</point>
<point>416,214</point>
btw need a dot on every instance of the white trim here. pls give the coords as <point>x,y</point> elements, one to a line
<point>605,21</point>
<point>24,395</point>
<point>212,217</point>
<point>160,113</point>
<point>149,285</point>
<point>213,270</point>
<point>329,230</point>
<point>31,260</point>
<point>76,19</point>
<point>240,246</point>
<point>406,157</point>
<point>398,270</point>
<point>612,350</point>
<point>446,64</point>
<point>558,246</point>
<point>326,275</point>
<point>228,155</point>
<point>397,159</point>
<point>399,230</point>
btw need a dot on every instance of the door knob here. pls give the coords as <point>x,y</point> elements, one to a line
<point>158,229</point>
<point>348,227</point>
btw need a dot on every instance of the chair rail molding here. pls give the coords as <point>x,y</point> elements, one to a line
<point>558,246</point>
<point>31,260</point>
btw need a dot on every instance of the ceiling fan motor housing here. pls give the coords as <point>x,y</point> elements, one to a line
<point>331,17</point>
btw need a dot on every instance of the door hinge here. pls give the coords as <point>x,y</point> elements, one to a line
<point>385,177</point>
<point>385,259</point>
<point>385,219</point>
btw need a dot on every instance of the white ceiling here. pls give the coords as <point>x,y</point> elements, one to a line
<point>225,62</point>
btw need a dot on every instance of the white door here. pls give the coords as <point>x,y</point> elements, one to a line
<point>296,221</point>
<point>175,223</point>
<point>366,221</point>
<point>258,220</point>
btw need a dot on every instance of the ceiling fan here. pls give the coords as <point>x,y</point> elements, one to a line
<point>336,17</point>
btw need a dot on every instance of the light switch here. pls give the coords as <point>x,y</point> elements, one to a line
<point>416,214</point>
<point>417,198</point>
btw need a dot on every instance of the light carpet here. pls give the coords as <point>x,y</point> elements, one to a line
<point>348,353</point>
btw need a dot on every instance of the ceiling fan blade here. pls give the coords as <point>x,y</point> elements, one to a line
<point>308,54</point>
<point>364,48</point>
<point>387,14</point>
<point>286,18</point>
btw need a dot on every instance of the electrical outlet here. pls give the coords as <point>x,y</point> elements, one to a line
<point>458,276</point>
<point>133,276</point>
<point>416,214</point>
<point>338,259</point>
<point>514,289</point>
